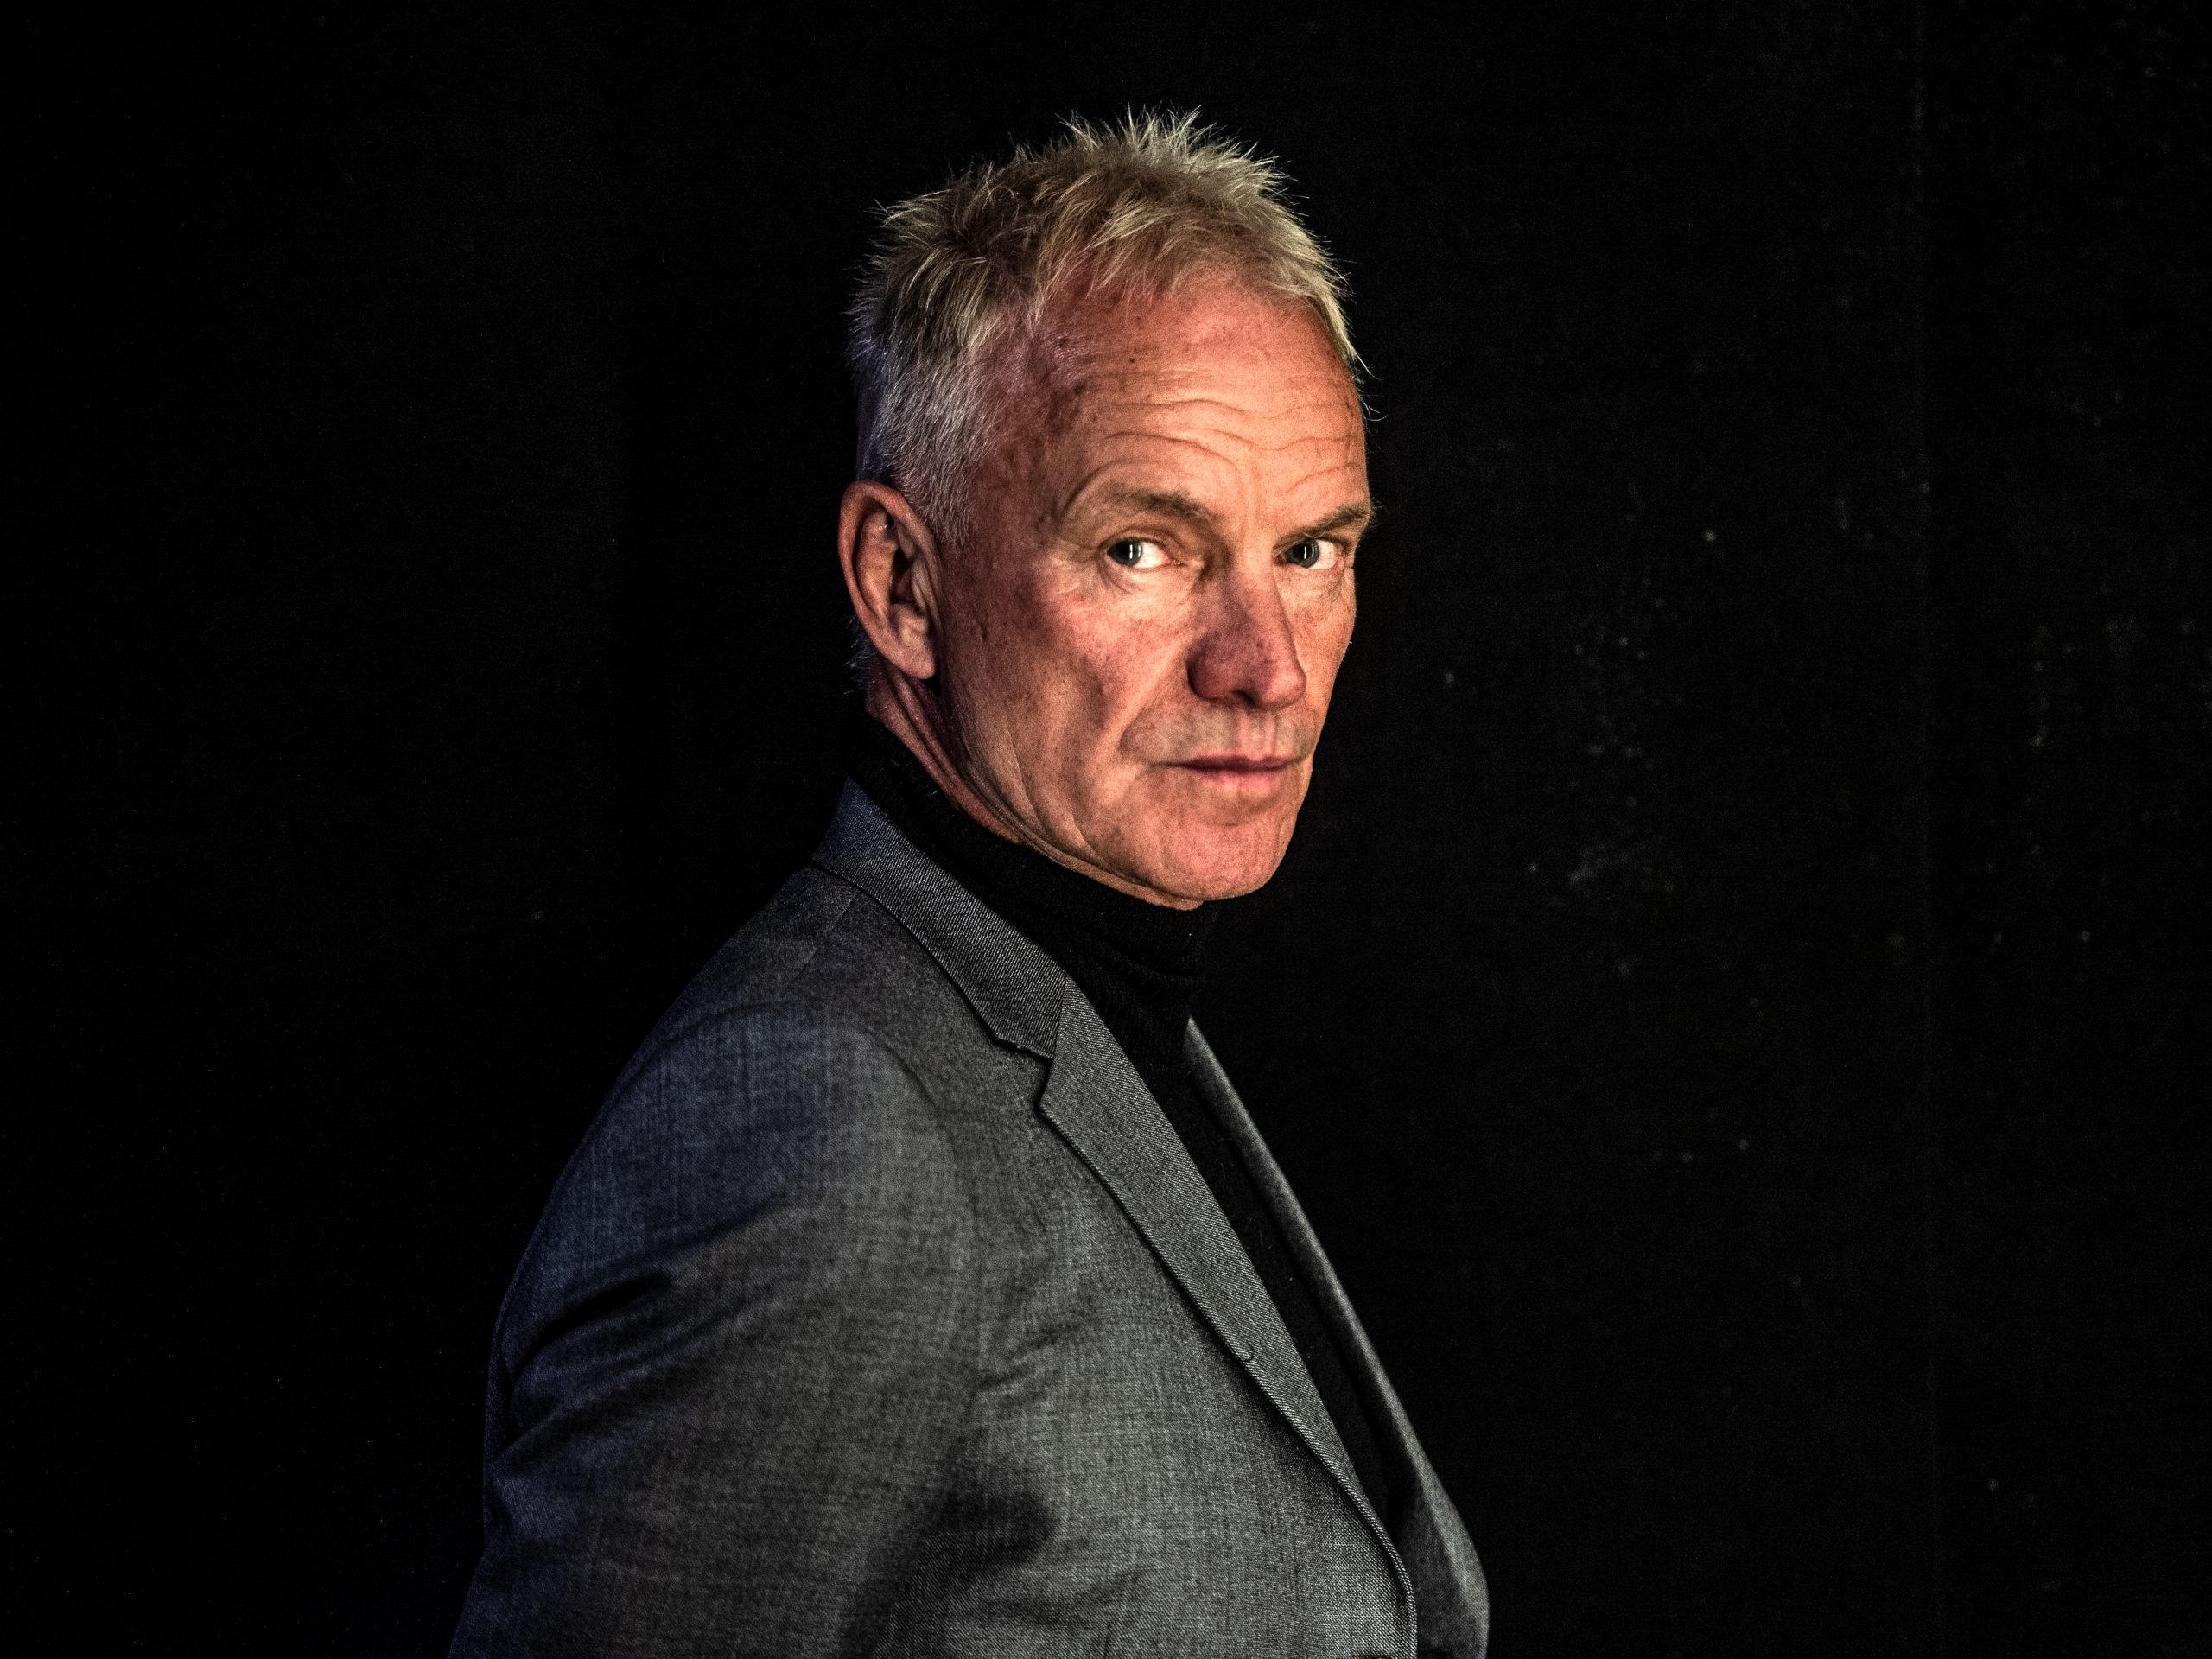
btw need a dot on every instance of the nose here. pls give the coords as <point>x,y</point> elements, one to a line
<point>1248,653</point>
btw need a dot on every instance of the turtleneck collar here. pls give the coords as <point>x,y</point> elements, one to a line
<point>1140,965</point>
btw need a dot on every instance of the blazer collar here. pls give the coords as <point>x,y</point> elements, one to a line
<point>1014,988</point>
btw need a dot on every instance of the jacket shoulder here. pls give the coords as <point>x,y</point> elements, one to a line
<point>747,1329</point>
<point>811,1069</point>
<point>823,947</point>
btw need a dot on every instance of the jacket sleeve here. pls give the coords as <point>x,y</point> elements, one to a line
<point>737,1360</point>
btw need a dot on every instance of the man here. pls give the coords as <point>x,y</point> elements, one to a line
<point>923,1286</point>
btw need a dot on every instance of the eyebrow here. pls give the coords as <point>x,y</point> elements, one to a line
<point>1353,515</point>
<point>1173,504</point>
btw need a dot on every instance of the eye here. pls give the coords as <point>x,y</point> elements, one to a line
<point>1133,554</point>
<point>1314,553</point>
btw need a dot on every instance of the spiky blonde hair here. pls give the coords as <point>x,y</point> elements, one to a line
<point>1142,205</point>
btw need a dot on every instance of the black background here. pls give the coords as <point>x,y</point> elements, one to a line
<point>1734,1009</point>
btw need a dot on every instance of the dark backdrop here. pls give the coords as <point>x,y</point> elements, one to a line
<point>1735,1007</point>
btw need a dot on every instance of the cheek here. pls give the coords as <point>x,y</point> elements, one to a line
<point>1104,699</point>
<point>1106,669</point>
<point>1145,701</point>
<point>1046,684</point>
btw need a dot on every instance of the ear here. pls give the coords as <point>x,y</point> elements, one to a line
<point>890,560</point>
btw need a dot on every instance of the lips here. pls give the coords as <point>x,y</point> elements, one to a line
<point>1239,763</point>
<point>1254,780</point>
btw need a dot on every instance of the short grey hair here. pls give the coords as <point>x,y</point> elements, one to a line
<point>1140,205</point>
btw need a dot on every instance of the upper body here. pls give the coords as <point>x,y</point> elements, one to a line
<point>883,1311</point>
<point>924,1288</point>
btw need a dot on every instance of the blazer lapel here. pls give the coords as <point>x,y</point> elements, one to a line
<point>1100,1107</point>
<point>1440,1557</point>
<point>1014,988</point>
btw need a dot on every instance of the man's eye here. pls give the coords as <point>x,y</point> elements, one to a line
<point>1312,554</point>
<point>1133,555</point>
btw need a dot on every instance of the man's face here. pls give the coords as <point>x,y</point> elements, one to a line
<point>1141,634</point>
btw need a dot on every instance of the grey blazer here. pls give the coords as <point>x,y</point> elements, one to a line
<point>881,1312</point>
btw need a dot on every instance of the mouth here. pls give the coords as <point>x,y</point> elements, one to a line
<point>1240,774</point>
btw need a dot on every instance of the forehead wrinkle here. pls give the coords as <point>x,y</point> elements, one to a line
<point>1131,497</point>
<point>1295,406</point>
<point>1222,436</point>
<point>1313,476</point>
<point>1338,452</point>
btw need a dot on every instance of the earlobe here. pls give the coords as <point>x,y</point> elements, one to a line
<point>889,559</point>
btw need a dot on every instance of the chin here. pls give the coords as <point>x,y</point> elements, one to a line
<point>1208,863</point>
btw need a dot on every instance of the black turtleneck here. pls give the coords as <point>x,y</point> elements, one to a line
<point>1140,966</point>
